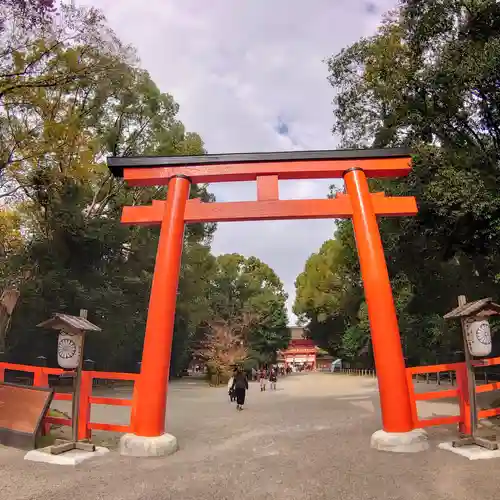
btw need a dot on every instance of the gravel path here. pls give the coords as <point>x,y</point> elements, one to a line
<point>308,440</point>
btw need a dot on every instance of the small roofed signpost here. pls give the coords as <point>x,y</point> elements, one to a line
<point>70,357</point>
<point>477,343</point>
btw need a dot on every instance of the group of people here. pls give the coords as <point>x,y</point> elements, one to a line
<point>280,370</point>
<point>265,375</point>
<point>238,384</point>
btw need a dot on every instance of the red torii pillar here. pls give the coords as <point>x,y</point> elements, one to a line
<point>151,397</point>
<point>148,415</point>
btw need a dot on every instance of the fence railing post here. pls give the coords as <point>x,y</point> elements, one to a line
<point>84,431</point>
<point>464,426</point>
<point>40,378</point>
<point>413,402</point>
<point>133,407</point>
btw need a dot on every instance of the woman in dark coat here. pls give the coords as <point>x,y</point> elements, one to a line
<point>240,386</point>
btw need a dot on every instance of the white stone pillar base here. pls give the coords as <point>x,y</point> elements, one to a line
<point>140,446</point>
<point>400,442</point>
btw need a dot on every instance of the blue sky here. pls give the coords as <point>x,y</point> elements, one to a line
<point>250,76</point>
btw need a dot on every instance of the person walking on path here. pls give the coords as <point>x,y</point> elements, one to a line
<point>263,379</point>
<point>240,385</point>
<point>273,378</point>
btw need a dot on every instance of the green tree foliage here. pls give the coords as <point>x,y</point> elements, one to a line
<point>427,79</point>
<point>77,96</point>
<point>70,95</point>
<point>247,288</point>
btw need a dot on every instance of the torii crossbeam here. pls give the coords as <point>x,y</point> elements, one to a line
<point>266,169</point>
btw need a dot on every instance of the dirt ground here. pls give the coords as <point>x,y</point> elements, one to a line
<point>308,440</point>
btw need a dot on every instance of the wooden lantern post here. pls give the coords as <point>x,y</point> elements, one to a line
<point>468,314</point>
<point>70,347</point>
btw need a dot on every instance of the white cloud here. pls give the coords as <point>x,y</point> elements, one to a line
<point>241,71</point>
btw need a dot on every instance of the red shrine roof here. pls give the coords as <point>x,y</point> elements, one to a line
<point>302,346</point>
<point>303,350</point>
<point>298,344</point>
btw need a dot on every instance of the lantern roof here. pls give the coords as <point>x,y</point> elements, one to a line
<point>482,307</point>
<point>60,320</point>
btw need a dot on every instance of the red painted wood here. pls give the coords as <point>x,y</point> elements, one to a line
<point>434,368</point>
<point>236,172</point>
<point>339,207</point>
<point>152,386</point>
<point>395,403</point>
<point>115,375</point>
<point>84,406</point>
<point>428,396</point>
<point>413,403</point>
<point>267,188</point>
<point>31,369</point>
<point>495,386</point>
<point>486,362</point>
<point>40,378</point>
<point>464,426</point>
<point>86,398</point>
<point>493,412</point>
<point>59,396</point>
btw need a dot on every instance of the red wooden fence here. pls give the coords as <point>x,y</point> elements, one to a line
<point>85,426</point>
<point>460,392</point>
<point>41,379</point>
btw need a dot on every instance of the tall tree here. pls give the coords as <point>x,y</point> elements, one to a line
<point>224,345</point>
<point>246,286</point>
<point>428,79</point>
<point>329,293</point>
<point>51,78</point>
<point>78,96</point>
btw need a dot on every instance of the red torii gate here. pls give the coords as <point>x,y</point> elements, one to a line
<point>179,172</point>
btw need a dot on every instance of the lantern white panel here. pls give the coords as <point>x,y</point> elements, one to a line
<point>69,349</point>
<point>478,336</point>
